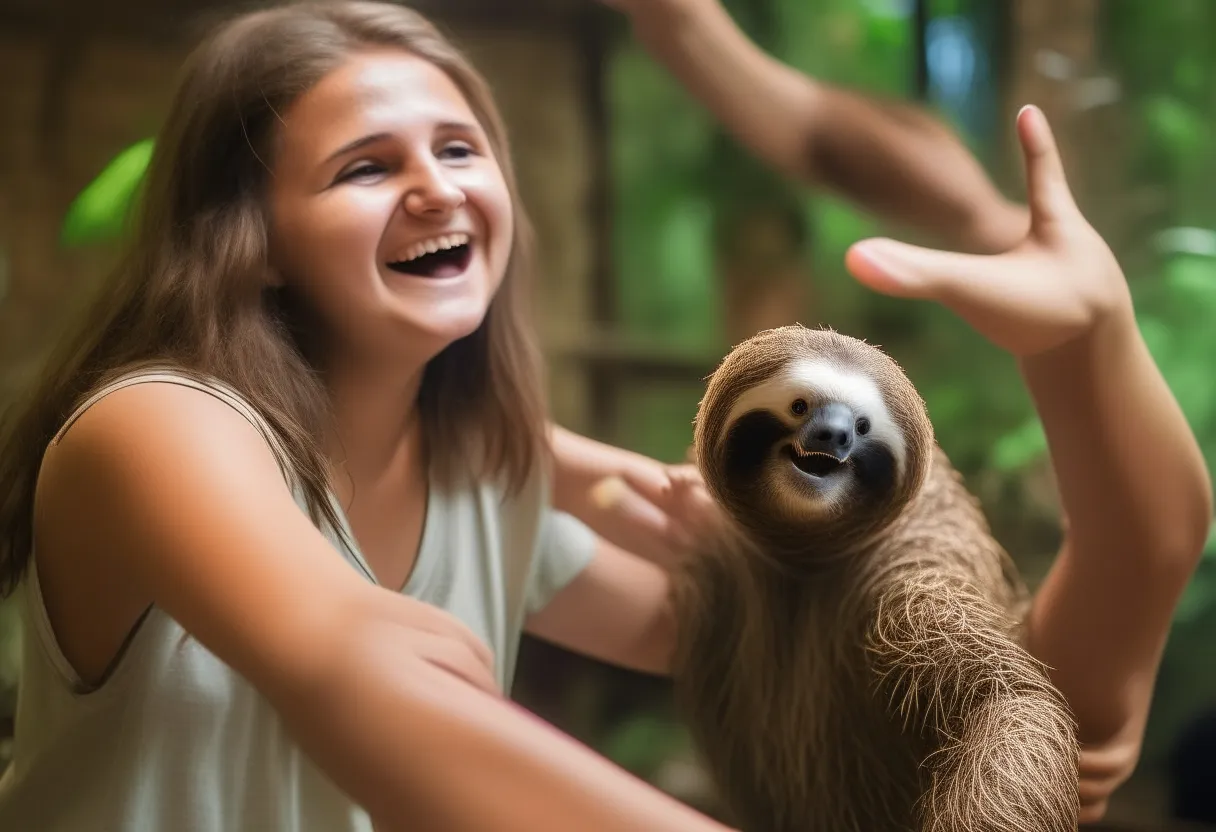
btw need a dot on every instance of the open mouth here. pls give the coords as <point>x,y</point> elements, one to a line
<point>444,262</point>
<point>815,463</point>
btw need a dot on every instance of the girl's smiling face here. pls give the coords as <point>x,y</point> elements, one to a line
<point>390,217</point>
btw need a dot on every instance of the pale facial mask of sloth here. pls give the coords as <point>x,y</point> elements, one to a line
<point>850,653</point>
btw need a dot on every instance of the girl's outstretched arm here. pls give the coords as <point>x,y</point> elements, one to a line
<point>389,696</point>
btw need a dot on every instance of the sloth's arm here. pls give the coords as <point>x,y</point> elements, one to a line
<point>1006,758</point>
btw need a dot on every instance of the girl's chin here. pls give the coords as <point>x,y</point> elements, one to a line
<point>444,326</point>
<point>426,283</point>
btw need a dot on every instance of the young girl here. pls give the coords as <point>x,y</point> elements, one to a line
<point>281,508</point>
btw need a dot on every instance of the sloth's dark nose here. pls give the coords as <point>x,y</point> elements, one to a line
<point>829,430</point>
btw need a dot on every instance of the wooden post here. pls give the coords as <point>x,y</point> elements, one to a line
<point>1054,63</point>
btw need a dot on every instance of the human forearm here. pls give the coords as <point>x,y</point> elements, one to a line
<point>1137,497</point>
<point>617,610</point>
<point>1130,471</point>
<point>420,749</point>
<point>891,159</point>
<point>900,164</point>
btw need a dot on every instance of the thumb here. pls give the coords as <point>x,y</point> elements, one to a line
<point>1046,183</point>
<point>908,271</point>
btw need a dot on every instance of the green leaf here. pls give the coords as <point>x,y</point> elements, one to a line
<point>99,213</point>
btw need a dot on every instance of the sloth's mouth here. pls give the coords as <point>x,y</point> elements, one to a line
<point>815,463</point>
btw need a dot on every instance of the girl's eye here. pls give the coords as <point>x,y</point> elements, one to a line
<point>457,151</point>
<point>365,170</point>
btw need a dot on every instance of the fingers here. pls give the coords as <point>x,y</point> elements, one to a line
<point>456,658</point>
<point>1047,185</point>
<point>903,270</point>
<point>651,481</point>
<point>625,498</point>
<point>689,493</point>
<point>442,624</point>
<point>684,475</point>
<point>642,527</point>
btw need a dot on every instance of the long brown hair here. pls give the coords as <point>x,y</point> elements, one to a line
<point>190,289</point>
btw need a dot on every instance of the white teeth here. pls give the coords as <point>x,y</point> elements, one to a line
<point>433,245</point>
<point>798,449</point>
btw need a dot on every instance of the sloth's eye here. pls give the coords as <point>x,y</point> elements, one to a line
<point>798,408</point>
<point>863,426</point>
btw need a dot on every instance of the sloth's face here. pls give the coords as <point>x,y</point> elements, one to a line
<point>828,440</point>
<point>817,436</point>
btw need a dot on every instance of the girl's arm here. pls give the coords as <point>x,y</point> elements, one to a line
<point>627,498</point>
<point>891,159</point>
<point>183,498</point>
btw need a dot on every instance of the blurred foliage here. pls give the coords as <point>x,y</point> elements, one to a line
<point>101,210</point>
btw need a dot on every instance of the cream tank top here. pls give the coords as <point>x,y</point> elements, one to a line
<point>175,741</point>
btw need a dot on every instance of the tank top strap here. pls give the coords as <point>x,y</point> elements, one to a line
<point>212,386</point>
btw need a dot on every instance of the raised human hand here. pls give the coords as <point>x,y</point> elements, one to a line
<point>1057,285</point>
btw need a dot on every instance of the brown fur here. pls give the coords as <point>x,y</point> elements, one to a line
<point>864,671</point>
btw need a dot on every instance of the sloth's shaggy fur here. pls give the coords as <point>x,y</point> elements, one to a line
<point>851,651</point>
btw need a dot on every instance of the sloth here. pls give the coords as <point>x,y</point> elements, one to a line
<point>851,650</point>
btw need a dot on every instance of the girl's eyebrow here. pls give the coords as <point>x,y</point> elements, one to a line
<point>376,137</point>
<point>356,144</point>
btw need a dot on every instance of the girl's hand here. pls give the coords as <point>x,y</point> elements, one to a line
<point>440,639</point>
<point>675,507</point>
<point>1057,285</point>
